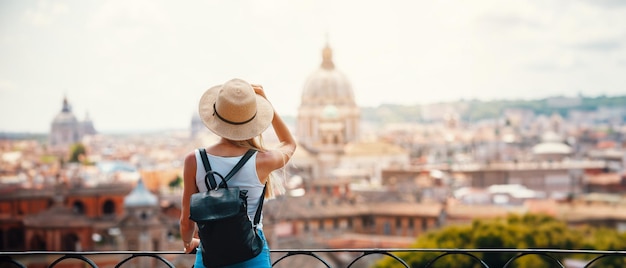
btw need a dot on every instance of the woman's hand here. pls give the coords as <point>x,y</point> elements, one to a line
<point>189,247</point>
<point>258,89</point>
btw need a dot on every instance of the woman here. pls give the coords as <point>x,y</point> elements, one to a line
<point>238,113</point>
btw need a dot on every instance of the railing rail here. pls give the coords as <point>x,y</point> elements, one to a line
<point>15,259</point>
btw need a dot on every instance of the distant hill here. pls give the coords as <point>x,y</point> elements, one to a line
<point>23,136</point>
<point>473,110</point>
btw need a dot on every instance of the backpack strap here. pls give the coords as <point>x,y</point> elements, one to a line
<point>257,215</point>
<point>238,166</point>
<point>210,179</point>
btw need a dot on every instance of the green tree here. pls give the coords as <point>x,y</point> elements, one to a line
<point>176,182</point>
<point>48,159</point>
<point>76,151</point>
<point>515,231</point>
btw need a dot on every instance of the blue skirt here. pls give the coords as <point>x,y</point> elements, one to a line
<point>261,261</point>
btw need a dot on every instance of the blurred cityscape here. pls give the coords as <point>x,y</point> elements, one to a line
<point>360,178</point>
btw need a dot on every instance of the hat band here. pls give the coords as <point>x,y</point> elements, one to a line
<point>231,122</point>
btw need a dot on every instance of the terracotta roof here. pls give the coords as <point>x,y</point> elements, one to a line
<point>376,148</point>
<point>353,240</point>
<point>57,216</point>
<point>604,178</point>
<point>482,211</point>
<point>580,212</point>
<point>307,208</point>
<point>406,209</point>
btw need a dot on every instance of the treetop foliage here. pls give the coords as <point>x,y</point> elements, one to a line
<point>529,231</point>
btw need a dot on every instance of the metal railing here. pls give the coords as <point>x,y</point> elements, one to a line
<point>553,257</point>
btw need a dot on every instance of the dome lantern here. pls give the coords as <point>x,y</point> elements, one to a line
<point>327,58</point>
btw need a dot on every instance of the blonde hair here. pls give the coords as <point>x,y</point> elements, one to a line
<point>275,184</point>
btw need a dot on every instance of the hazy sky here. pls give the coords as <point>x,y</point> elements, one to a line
<point>143,64</point>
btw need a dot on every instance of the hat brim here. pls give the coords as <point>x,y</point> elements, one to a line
<point>262,120</point>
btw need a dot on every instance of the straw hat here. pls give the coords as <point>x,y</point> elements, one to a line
<point>234,111</point>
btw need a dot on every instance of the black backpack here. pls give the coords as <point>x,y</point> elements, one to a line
<point>227,236</point>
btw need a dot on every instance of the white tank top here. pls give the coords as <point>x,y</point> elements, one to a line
<point>245,179</point>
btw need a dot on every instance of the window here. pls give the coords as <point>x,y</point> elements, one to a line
<point>15,239</point>
<point>70,242</point>
<point>37,243</point>
<point>78,207</point>
<point>387,228</point>
<point>108,208</point>
<point>367,221</point>
<point>398,226</point>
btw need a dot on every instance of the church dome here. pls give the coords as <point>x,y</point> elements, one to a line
<point>551,148</point>
<point>551,144</point>
<point>327,85</point>
<point>65,117</point>
<point>140,197</point>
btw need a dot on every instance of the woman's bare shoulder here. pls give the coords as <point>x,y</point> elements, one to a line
<point>272,158</point>
<point>190,157</point>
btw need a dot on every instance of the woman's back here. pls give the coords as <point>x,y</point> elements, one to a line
<point>238,113</point>
<point>245,179</point>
